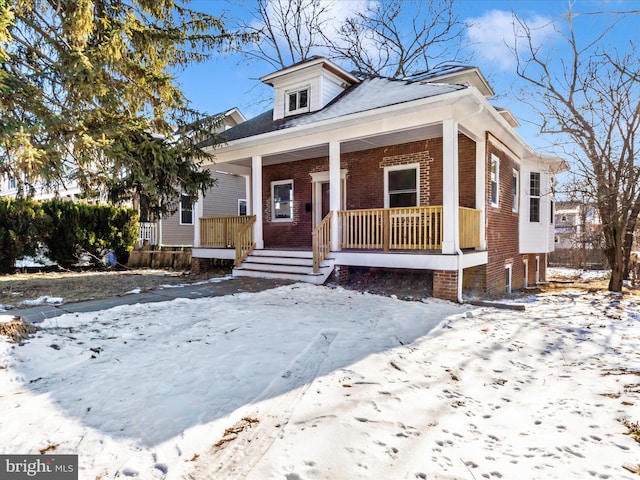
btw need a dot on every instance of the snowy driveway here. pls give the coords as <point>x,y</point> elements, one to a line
<point>144,374</point>
<point>304,382</point>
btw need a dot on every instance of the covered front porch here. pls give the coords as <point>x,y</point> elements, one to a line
<point>375,231</point>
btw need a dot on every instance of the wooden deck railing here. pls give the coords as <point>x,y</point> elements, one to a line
<point>220,231</point>
<point>321,241</point>
<point>469,220</point>
<point>411,228</point>
<point>244,240</point>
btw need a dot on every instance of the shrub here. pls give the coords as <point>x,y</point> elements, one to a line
<point>22,224</point>
<point>93,228</point>
<point>64,227</point>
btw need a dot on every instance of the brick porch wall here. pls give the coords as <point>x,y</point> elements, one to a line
<point>445,285</point>
<point>364,184</point>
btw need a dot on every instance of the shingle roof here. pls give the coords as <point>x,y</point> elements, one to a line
<point>372,93</point>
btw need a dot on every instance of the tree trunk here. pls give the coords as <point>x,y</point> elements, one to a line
<point>615,255</point>
<point>629,236</point>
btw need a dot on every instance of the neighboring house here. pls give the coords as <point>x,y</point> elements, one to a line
<point>227,198</point>
<point>67,191</point>
<point>578,236</point>
<point>364,171</point>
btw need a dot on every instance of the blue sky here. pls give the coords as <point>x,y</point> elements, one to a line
<point>228,81</point>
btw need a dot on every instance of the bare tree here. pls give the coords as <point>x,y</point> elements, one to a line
<point>590,96</point>
<point>395,38</point>
<point>286,31</point>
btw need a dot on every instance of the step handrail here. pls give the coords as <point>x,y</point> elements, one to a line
<point>321,241</point>
<point>244,241</point>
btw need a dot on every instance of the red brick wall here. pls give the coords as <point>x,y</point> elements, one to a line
<point>365,184</point>
<point>445,285</point>
<point>295,234</point>
<point>474,279</point>
<point>467,168</point>
<point>531,257</point>
<point>502,227</point>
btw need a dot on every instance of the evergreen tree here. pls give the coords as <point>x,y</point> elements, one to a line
<point>87,85</point>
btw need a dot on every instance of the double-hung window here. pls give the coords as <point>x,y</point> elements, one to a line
<point>495,176</point>
<point>534,197</point>
<point>242,206</point>
<point>297,101</point>
<point>401,186</point>
<point>282,201</point>
<point>186,210</point>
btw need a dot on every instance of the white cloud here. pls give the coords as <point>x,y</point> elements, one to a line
<point>491,35</point>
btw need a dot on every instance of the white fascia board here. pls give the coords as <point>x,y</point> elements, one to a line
<point>368,123</point>
<point>409,261</point>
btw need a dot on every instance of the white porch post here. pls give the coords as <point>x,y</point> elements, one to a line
<point>450,202</point>
<point>197,213</point>
<point>248,194</point>
<point>256,199</point>
<point>481,190</point>
<point>335,193</point>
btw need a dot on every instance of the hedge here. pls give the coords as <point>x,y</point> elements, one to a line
<point>63,228</point>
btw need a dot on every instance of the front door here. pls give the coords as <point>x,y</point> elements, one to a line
<point>324,193</point>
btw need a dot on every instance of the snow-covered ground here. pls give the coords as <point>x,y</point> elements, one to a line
<point>304,382</point>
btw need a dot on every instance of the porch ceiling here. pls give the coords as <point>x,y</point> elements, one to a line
<point>353,145</point>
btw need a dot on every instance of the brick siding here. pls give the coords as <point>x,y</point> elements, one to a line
<point>445,285</point>
<point>502,227</point>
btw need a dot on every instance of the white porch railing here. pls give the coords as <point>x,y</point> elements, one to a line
<point>148,231</point>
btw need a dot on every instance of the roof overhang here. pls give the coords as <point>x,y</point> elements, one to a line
<point>467,76</point>
<point>319,62</point>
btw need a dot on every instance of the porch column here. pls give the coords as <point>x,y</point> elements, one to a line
<point>256,199</point>
<point>197,213</point>
<point>481,190</point>
<point>334,192</point>
<point>450,200</point>
<point>247,194</point>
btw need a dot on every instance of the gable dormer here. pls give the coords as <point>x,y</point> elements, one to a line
<point>454,73</point>
<point>307,86</point>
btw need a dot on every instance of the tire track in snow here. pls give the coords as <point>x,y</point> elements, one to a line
<point>236,458</point>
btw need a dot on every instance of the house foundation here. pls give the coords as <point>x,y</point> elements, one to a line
<point>445,285</point>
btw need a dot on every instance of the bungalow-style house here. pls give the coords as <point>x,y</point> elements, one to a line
<point>353,170</point>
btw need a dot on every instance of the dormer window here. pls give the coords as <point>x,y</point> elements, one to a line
<point>298,101</point>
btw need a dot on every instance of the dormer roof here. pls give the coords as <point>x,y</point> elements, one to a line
<point>455,73</point>
<point>312,63</point>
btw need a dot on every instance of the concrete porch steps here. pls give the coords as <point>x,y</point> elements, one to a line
<point>294,265</point>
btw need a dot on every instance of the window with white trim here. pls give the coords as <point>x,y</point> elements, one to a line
<point>12,183</point>
<point>516,190</point>
<point>401,185</point>
<point>297,101</point>
<point>495,178</point>
<point>242,207</point>
<point>507,278</point>
<point>282,201</point>
<point>186,210</point>
<point>534,197</point>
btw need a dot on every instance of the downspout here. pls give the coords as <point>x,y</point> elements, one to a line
<point>456,226</point>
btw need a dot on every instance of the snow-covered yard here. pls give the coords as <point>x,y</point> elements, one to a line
<point>305,382</point>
